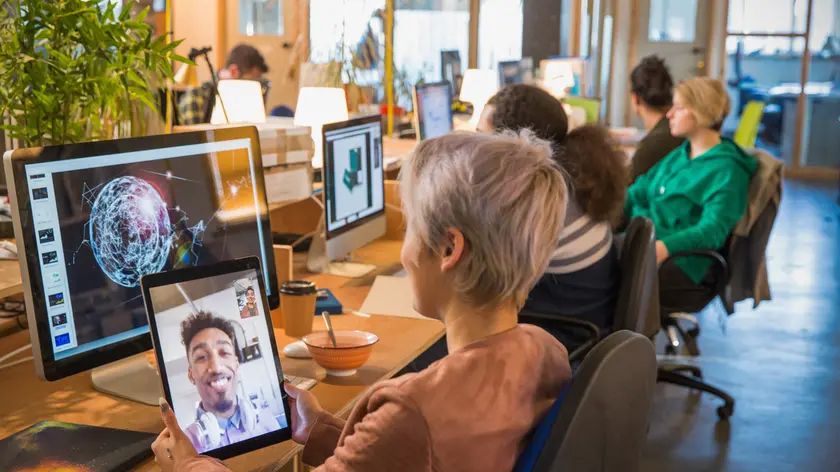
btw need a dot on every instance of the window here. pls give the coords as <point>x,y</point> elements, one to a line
<point>768,16</point>
<point>422,29</point>
<point>499,32</point>
<point>261,17</point>
<point>344,30</point>
<point>789,18</point>
<point>672,21</point>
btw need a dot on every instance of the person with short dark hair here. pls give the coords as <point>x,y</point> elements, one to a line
<point>244,62</point>
<point>583,277</point>
<point>651,93</point>
<point>250,308</point>
<point>224,415</point>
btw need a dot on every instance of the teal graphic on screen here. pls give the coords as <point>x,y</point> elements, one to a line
<point>351,175</point>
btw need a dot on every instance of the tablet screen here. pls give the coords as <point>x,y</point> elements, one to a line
<point>218,358</point>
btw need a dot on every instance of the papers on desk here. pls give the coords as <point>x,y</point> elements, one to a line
<point>391,296</point>
<point>392,163</point>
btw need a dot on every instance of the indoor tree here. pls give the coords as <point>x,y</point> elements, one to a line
<point>71,71</point>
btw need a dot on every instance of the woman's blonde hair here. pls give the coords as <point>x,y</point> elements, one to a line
<point>708,100</point>
<point>507,196</point>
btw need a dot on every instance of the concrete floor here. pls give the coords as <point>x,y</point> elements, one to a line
<point>780,361</point>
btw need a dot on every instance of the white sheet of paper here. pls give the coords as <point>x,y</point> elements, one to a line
<point>391,296</point>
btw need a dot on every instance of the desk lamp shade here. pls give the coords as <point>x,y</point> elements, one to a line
<point>478,87</point>
<point>243,102</point>
<point>316,107</point>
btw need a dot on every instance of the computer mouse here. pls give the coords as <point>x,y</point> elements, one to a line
<point>297,350</point>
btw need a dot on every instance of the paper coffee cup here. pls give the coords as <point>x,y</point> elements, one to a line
<point>297,302</point>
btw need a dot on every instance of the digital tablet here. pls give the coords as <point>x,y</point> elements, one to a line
<point>217,356</point>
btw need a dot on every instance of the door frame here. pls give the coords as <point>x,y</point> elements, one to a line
<point>635,35</point>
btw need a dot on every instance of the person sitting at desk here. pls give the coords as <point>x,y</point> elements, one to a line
<point>477,239</point>
<point>583,277</point>
<point>697,193</point>
<point>244,62</point>
<point>651,93</point>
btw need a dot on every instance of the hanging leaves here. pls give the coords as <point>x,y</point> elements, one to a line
<point>72,72</point>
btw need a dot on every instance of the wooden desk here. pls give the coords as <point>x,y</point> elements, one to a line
<point>25,399</point>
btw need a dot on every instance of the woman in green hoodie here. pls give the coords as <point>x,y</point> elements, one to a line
<point>697,193</point>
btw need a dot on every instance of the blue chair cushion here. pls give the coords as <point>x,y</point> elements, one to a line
<point>538,437</point>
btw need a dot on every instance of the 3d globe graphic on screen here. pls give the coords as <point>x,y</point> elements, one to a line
<point>129,230</point>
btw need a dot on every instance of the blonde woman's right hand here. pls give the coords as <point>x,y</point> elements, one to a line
<point>305,411</point>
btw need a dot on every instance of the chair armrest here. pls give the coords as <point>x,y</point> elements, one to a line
<point>593,333</point>
<point>719,268</point>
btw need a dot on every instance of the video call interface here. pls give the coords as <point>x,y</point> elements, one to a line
<point>354,174</point>
<point>223,381</point>
<point>101,223</point>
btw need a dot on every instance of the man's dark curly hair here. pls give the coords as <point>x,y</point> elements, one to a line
<point>652,83</point>
<point>597,167</point>
<point>198,322</point>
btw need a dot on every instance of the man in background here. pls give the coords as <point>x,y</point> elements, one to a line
<point>244,62</point>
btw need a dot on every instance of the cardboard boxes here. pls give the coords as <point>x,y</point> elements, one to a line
<point>286,156</point>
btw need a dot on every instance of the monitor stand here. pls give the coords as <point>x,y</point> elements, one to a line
<point>132,378</point>
<point>317,261</point>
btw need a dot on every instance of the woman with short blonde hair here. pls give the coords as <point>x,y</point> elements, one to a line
<point>695,195</point>
<point>483,214</point>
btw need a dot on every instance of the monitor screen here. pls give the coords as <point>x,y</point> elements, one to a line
<point>103,220</point>
<point>433,106</point>
<point>354,178</point>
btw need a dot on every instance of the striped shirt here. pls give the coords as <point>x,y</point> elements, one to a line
<point>582,243</point>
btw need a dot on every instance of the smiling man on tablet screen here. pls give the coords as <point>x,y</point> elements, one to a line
<point>224,415</point>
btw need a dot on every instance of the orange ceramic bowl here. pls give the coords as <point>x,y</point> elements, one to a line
<point>354,348</point>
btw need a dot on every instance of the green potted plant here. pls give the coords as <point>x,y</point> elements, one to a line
<point>71,71</point>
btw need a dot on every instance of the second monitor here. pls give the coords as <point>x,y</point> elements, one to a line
<point>354,194</point>
<point>432,110</point>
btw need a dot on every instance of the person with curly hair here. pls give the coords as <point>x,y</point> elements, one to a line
<point>583,277</point>
<point>651,93</point>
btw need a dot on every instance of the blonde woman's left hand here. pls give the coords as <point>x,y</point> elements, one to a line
<point>172,446</point>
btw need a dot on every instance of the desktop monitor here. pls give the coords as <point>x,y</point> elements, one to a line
<point>510,73</point>
<point>432,110</point>
<point>450,68</point>
<point>354,192</point>
<point>91,219</point>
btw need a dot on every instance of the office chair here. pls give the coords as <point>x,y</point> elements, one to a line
<point>592,107</point>
<point>697,298</point>
<point>719,282</point>
<point>748,128</point>
<point>636,309</point>
<point>599,422</point>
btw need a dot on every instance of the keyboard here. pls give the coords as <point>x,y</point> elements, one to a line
<point>303,383</point>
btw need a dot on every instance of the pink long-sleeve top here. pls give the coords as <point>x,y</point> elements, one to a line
<point>470,411</point>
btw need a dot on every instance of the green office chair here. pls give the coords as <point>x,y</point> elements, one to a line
<point>747,131</point>
<point>592,107</point>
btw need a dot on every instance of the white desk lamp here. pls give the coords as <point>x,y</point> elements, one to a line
<point>243,102</point>
<point>478,87</point>
<point>316,107</point>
